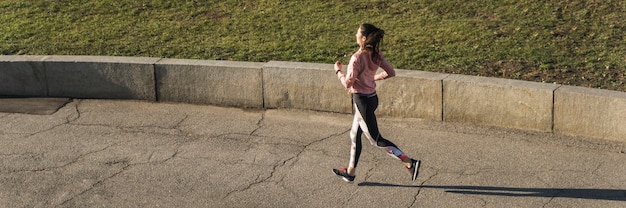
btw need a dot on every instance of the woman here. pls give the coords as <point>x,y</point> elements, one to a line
<point>359,80</point>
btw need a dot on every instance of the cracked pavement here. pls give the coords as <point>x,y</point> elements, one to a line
<point>121,153</point>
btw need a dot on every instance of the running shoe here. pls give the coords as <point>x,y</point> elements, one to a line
<point>343,174</point>
<point>414,169</point>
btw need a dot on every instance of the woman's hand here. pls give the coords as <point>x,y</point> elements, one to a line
<point>338,67</point>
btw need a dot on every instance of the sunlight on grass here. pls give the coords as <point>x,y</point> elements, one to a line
<point>545,41</point>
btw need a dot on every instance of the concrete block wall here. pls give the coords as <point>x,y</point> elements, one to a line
<point>507,103</point>
<point>590,112</point>
<point>226,83</point>
<point>100,77</point>
<point>303,86</point>
<point>278,84</point>
<point>412,94</point>
<point>23,76</point>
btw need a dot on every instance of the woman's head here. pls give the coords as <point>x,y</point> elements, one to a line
<point>369,36</point>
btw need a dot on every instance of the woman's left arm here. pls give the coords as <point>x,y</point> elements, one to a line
<point>388,70</point>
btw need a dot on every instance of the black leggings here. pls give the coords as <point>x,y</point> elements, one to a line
<point>365,122</point>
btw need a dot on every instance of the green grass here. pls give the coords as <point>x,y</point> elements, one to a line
<point>574,42</point>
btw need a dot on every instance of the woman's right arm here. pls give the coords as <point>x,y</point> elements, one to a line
<point>351,75</point>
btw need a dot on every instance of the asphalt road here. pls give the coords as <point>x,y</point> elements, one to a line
<point>112,153</point>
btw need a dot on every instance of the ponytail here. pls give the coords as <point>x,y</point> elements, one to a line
<point>373,39</point>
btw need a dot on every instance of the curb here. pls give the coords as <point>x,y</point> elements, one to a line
<point>499,102</point>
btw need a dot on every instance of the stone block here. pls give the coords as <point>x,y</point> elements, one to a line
<point>101,77</point>
<point>308,86</point>
<point>498,102</point>
<point>22,76</point>
<point>412,94</point>
<point>590,112</point>
<point>225,83</point>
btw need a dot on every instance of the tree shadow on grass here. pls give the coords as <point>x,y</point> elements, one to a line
<point>598,194</point>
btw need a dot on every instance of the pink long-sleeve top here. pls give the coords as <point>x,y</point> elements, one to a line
<point>361,74</point>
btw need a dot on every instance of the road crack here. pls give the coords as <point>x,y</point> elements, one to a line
<point>259,123</point>
<point>283,163</point>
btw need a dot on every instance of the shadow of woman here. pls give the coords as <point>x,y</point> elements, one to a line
<point>598,194</point>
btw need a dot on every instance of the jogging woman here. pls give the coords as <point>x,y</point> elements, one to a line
<point>359,80</point>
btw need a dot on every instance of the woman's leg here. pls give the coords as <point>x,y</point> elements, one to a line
<point>365,106</point>
<point>365,123</point>
<point>355,146</point>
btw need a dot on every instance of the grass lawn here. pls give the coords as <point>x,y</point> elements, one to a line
<point>573,42</point>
